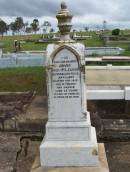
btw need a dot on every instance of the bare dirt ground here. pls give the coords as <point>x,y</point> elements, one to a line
<point>9,145</point>
<point>16,154</point>
<point>118,156</point>
<point>27,156</point>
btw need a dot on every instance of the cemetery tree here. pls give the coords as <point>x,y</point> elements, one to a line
<point>86,28</point>
<point>19,23</point>
<point>46,25</point>
<point>13,27</point>
<point>116,32</point>
<point>104,25</point>
<point>28,30</point>
<point>35,25</point>
<point>26,25</point>
<point>3,27</point>
<point>52,30</point>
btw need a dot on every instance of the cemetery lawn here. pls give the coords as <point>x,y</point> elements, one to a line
<point>23,79</point>
<point>29,42</point>
<point>27,45</point>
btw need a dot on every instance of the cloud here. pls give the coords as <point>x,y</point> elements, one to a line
<point>84,11</point>
<point>28,8</point>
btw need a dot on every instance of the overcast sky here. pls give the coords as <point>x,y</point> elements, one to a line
<point>86,12</point>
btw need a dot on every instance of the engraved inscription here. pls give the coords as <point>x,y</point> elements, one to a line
<point>66,86</point>
<point>65,78</point>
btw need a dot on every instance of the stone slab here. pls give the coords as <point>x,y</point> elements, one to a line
<point>107,77</point>
<point>103,165</point>
<point>67,131</point>
<point>70,153</point>
<point>103,51</point>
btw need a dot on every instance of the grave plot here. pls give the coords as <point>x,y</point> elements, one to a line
<point>111,119</point>
<point>11,106</point>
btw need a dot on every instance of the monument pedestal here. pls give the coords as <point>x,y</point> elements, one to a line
<point>101,167</point>
<point>69,130</point>
<point>71,143</point>
<point>69,153</point>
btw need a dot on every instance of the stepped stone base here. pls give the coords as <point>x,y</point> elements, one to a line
<point>68,131</point>
<point>54,153</point>
<point>102,165</point>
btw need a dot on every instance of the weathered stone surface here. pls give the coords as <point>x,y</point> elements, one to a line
<point>70,153</point>
<point>9,145</point>
<point>102,167</point>
<point>68,131</point>
<point>66,87</point>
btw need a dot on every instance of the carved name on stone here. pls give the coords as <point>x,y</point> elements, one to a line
<point>66,84</point>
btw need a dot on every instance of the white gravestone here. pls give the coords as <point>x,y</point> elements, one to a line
<point>70,140</point>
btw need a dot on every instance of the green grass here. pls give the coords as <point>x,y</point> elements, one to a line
<point>124,46</point>
<point>105,63</point>
<point>8,42</point>
<point>28,46</point>
<point>23,79</point>
<point>33,46</point>
<point>95,42</point>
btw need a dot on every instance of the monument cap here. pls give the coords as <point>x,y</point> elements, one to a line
<point>64,18</point>
<point>63,5</point>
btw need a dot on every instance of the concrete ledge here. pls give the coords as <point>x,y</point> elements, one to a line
<point>108,67</point>
<point>103,167</point>
<point>105,94</point>
<point>109,94</point>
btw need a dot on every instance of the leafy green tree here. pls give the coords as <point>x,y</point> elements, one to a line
<point>13,27</point>
<point>26,25</point>
<point>28,30</point>
<point>35,25</point>
<point>3,27</point>
<point>104,25</point>
<point>52,30</point>
<point>116,32</point>
<point>46,25</point>
<point>19,23</point>
<point>86,28</point>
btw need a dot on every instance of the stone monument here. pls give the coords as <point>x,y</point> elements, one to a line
<point>70,140</point>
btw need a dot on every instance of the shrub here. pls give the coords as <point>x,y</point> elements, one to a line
<point>116,32</point>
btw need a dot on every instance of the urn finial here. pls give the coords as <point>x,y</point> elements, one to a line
<point>64,18</point>
<point>63,5</point>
